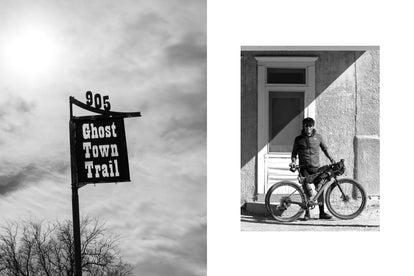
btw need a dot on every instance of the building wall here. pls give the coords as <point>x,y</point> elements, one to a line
<point>336,105</point>
<point>367,140</point>
<point>347,113</point>
<point>248,127</point>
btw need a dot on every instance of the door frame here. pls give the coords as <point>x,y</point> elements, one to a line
<point>263,90</point>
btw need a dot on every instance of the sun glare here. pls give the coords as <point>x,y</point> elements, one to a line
<point>31,53</point>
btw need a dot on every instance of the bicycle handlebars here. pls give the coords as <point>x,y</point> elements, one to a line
<point>296,167</point>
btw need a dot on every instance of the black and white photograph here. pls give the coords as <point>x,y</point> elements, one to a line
<point>205,137</point>
<point>103,137</point>
<point>310,138</point>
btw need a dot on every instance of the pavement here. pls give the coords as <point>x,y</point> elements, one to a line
<point>368,220</point>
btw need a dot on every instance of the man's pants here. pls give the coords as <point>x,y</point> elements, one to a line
<point>321,200</point>
<point>309,171</point>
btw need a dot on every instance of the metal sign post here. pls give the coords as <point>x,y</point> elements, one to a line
<point>98,153</point>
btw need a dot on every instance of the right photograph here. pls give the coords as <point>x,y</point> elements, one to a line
<point>310,138</point>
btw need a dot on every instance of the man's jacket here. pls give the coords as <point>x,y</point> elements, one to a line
<point>307,147</point>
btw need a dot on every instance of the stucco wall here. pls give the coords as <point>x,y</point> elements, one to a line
<point>248,127</point>
<point>347,113</point>
<point>367,139</point>
<point>335,105</point>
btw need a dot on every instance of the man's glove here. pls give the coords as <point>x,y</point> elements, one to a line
<point>292,167</point>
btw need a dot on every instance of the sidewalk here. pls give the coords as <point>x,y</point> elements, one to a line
<point>368,220</point>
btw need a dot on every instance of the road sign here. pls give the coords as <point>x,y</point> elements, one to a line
<point>98,153</point>
<point>101,150</point>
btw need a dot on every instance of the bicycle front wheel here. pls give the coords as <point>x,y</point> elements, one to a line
<point>284,201</point>
<point>346,198</point>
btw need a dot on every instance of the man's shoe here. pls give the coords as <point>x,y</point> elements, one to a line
<point>307,216</point>
<point>324,216</point>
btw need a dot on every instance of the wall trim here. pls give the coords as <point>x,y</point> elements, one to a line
<point>286,61</point>
<point>309,48</point>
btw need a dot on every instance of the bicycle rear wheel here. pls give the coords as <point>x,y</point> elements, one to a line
<point>346,198</point>
<point>284,201</point>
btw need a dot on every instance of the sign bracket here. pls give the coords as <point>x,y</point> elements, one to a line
<point>74,101</point>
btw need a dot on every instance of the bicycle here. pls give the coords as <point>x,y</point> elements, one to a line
<point>345,198</point>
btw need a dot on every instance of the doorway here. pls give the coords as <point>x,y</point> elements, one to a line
<point>286,94</point>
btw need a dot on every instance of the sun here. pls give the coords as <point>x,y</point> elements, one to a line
<point>31,52</point>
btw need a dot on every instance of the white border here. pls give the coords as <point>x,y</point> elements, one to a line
<point>232,24</point>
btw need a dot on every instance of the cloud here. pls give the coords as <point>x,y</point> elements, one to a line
<point>14,178</point>
<point>15,112</point>
<point>191,50</point>
<point>187,122</point>
<point>175,253</point>
<point>12,182</point>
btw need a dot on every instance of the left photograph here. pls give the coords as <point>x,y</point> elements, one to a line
<point>103,138</point>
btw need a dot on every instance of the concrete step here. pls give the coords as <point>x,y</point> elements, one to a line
<point>256,208</point>
<point>259,208</point>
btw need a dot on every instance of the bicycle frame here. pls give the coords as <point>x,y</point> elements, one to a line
<point>311,202</point>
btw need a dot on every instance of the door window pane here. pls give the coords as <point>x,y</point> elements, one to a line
<point>285,119</point>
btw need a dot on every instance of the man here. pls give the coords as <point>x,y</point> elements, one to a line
<point>307,147</point>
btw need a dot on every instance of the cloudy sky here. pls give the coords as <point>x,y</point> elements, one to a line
<point>148,56</point>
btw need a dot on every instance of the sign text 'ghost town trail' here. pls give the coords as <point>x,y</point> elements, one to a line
<point>101,150</point>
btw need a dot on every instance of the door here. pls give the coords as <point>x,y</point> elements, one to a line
<point>285,119</point>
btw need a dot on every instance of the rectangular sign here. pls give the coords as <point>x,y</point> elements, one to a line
<point>101,151</point>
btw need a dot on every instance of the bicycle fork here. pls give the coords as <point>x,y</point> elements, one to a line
<point>344,196</point>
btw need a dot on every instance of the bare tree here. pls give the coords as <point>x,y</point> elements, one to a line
<point>29,249</point>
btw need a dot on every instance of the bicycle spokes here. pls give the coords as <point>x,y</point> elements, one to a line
<point>284,201</point>
<point>346,199</point>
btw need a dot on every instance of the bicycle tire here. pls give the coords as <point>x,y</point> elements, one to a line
<point>352,204</point>
<point>284,201</point>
